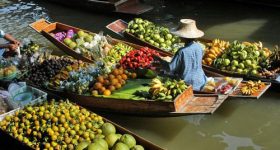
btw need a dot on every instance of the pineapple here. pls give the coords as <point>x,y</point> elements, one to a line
<point>275,57</point>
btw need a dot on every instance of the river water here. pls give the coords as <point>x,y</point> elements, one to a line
<point>239,124</point>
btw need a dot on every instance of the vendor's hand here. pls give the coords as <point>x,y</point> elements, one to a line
<point>12,47</point>
<point>16,42</point>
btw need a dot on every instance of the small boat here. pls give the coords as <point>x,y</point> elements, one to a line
<point>46,28</point>
<point>185,104</point>
<point>134,7</point>
<point>209,70</point>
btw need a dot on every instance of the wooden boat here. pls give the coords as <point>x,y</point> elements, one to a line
<point>184,104</point>
<point>209,70</point>
<point>134,7</point>
<point>46,28</point>
<point>145,143</point>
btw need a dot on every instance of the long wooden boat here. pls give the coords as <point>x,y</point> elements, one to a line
<point>134,7</point>
<point>145,143</point>
<point>45,28</point>
<point>185,104</point>
<point>209,70</point>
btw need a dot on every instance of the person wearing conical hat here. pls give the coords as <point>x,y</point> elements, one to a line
<point>187,62</point>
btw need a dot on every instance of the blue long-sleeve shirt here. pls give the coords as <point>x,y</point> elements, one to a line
<point>187,65</point>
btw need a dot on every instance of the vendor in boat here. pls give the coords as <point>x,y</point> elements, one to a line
<point>187,62</point>
<point>10,48</point>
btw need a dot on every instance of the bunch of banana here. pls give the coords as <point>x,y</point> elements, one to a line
<point>117,52</point>
<point>213,50</point>
<point>166,89</point>
<point>251,87</point>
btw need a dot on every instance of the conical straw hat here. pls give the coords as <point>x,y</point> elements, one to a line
<point>187,29</point>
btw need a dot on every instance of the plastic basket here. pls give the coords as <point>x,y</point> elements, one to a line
<point>38,96</point>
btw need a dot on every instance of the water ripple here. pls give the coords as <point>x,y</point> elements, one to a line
<point>15,18</point>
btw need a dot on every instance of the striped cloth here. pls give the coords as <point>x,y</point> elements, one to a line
<point>187,65</point>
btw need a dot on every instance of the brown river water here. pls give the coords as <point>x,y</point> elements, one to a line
<point>239,124</point>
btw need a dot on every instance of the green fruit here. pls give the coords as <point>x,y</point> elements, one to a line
<point>82,145</point>
<point>226,62</point>
<point>245,71</point>
<point>168,42</point>
<point>161,40</point>
<point>120,146</point>
<point>233,68</point>
<point>248,62</point>
<point>102,142</point>
<point>96,146</point>
<point>72,45</point>
<point>67,41</point>
<point>119,136</point>
<point>128,139</point>
<point>156,36</point>
<point>241,66</point>
<point>254,72</point>
<point>168,36</point>
<point>135,26</point>
<point>81,33</point>
<point>108,128</point>
<point>239,71</point>
<point>151,41</point>
<point>147,39</point>
<point>138,147</point>
<point>88,38</point>
<point>111,139</point>
<point>163,45</point>
<point>156,44</point>
<point>234,63</point>
<point>141,37</point>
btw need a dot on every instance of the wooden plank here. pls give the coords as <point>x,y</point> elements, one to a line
<point>39,25</point>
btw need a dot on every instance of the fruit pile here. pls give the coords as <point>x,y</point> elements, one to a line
<point>111,141</point>
<point>213,50</point>
<point>106,84</point>
<point>243,58</point>
<point>91,46</point>
<point>61,125</point>
<point>141,58</point>
<point>39,73</point>
<point>251,87</point>
<point>75,78</point>
<point>221,85</point>
<point>166,88</point>
<point>156,35</point>
<point>115,54</point>
<point>7,71</point>
<point>30,48</point>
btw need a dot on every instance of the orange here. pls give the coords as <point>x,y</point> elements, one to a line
<point>118,86</point>
<point>114,81</point>
<point>124,76</point>
<point>100,79</point>
<point>101,90</point>
<point>107,92</point>
<point>97,85</point>
<point>122,82</point>
<point>106,82</point>
<point>119,77</point>
<point>120,70</point>
<point>111,76</point>
<point>112,88</point>
<point>133,75</point>
<point>115,72</point>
